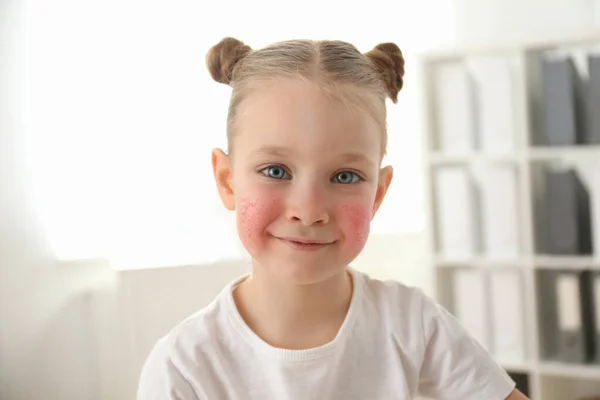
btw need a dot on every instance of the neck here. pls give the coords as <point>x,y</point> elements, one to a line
<point>294,316</point>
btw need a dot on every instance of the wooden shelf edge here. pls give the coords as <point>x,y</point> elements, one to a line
<point>479,262</point>
<point>587,371</point>
<point>439,158</point>
<point>573,153</point>
<point>566,262</point>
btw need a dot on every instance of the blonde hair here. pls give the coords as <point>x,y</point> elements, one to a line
<point>336,66</point>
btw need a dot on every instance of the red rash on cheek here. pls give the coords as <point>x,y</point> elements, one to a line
<point>253,217</point>
<point>357,223</point>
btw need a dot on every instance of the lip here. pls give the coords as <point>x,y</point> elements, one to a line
<point>303,243</point>
<point>303,240</point>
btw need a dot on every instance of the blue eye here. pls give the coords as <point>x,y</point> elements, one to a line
<point>275,172</point>
<point>346,177</point>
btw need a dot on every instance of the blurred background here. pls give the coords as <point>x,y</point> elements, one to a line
<point>111,231</point>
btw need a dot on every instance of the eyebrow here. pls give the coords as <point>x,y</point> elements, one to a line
<point>279,151</point>
<point>355,157</point>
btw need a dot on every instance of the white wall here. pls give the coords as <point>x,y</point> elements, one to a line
<point>44,323</point>
<point>81,331</point>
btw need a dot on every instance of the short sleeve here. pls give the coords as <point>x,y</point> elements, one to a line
<point>455,365</point>
<point>161,380</point>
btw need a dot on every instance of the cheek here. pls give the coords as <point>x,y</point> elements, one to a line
<point>254,214</point>
<point>356,223</point>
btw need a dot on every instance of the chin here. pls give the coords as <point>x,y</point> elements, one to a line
<point>303,273</point>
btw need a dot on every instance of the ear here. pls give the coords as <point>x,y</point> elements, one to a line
<point>385,179</point>
<point>223,177</point>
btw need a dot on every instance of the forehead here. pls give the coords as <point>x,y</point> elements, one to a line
<point>299,115</point>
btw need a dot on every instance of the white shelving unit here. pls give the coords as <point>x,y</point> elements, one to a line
<point>547,380</point>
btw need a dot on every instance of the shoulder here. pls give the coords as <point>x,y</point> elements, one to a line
<point>404,311</point>
<point>396,300</point>
<point>386,290</point>
<point>407,303</point>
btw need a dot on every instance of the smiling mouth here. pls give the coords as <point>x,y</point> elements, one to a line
<point>303,244</point>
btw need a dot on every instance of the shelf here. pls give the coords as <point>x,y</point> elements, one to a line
<point>479,262</point>
<point>566,262</point>
<point>439,158</point>
<point>570,370</point>
<point>567,153</point>
<point>486,201</point>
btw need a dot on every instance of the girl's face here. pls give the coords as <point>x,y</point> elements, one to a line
<point>304,178</point>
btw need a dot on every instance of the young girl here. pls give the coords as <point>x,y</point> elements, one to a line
<point>306,137</point>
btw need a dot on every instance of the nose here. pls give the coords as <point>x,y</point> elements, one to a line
<point>308,204</point>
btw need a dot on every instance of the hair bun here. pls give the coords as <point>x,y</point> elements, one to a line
<point>223,57</point>
<point>389,61</point>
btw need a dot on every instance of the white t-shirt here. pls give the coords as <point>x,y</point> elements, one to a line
<point>395,343</point>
